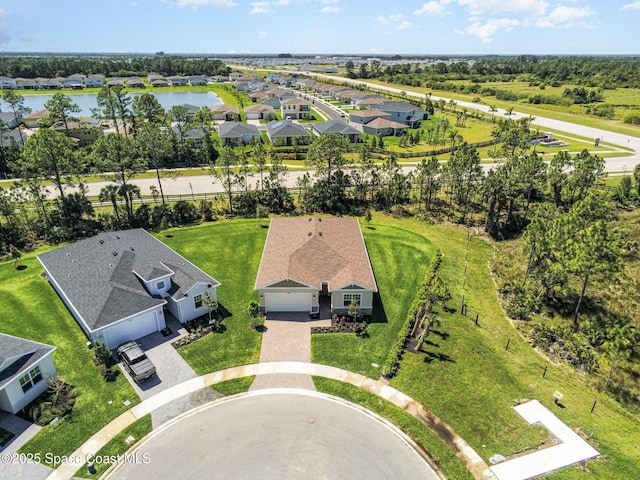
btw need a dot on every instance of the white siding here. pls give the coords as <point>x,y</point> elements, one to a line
<point>13,399</point>
<point>186,306</point>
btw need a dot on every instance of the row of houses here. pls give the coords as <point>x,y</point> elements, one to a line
<point>79,82</point>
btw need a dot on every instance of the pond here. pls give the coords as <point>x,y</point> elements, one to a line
<point>87,101</point>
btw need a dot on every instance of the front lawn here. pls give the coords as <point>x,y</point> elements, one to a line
<point>31,309</point>
<point>229,251</point>
<point>400,259</point>
<point>471,380</point>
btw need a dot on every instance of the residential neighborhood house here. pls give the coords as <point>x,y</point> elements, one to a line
<point>120,285</point>
<point>26,371</point>
<point>306,259</point>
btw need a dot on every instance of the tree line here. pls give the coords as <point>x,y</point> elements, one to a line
<point>51,66</point>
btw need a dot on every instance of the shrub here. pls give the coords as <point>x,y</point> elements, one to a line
<point>101,354</point>
<point>633,119</point>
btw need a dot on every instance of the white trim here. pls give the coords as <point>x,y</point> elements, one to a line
<point>124,319</point>
<point>270,285</point>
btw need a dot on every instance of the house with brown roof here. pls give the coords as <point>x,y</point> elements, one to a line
<point>260,112</point>
<point>306,260</point>
<point>228,113</point>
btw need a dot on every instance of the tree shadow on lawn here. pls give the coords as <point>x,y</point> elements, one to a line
<point>431,356</point>
<point>223,313</point>
<point>442,335</point>
<point>379,314</point>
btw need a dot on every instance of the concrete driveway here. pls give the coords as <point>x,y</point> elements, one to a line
<point>275,435</point>
<point>23,432</point>
<point>171,370</point>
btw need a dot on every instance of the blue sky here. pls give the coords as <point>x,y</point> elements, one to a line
<point>322,26</point>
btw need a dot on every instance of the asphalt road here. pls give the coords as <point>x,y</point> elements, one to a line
<point>277,436</point>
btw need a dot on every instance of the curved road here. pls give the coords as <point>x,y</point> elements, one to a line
<point>274,436</point>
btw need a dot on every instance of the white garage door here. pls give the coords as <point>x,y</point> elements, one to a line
<point>288,302</point>
<point>132,329</point>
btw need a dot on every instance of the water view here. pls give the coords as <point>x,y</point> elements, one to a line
<point>87,101</point>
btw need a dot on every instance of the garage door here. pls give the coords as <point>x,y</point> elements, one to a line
<point>288,302</point>
<point>132,329</point>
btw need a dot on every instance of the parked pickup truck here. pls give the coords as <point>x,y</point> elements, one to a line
<point>135,361</point>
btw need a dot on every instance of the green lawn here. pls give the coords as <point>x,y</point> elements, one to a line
<point>230,251</point>
<point>400,259</point>
<point>31,309</point>
<point>467,377</point>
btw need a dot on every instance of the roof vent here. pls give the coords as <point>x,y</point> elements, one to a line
<point>117,237</point>
<point>319,219</point>
<point>309,234</point>
<point>320,234</point>
<point>310,219</point>
<point>114,253</point>
<point>101,241</point>
<point>133,249</point>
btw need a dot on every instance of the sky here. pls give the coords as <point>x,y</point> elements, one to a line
<point>369,27</point>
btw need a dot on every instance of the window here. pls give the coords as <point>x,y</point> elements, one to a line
<point>197,301</point>
<point>347,298</point>
<point>28,380</point>
<point>160,285</point>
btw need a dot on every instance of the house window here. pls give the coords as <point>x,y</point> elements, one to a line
<point>28,380</point>
<point>347,298</point>
<point>160,285</point>
<point>197,301</point>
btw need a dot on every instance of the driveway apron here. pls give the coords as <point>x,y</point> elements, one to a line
<point>287,338</point>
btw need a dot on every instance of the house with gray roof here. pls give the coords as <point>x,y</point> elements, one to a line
<point>404,112</point>
<point>339,127</point>
<point>118,285</point>
<point>26,371</point>
<point>10,119</point>
<point>12,137</point>
<point>238,133</point>
<point>282,132</point>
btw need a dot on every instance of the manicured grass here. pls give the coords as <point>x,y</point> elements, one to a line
<point>230,251</point>
<point>433,446</point>
<point>468,378</point>
<point>118,446</point>
<point>237,385</point>
<point>400,259</point>
<point>31,309</point>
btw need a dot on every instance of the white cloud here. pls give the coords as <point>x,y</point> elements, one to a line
<point>263,34</point>
<point>480,7</point>
<point>330,9</point>
<point>396,18</point>
<point>631,6</point>
<point>133,4</point>
<point>565,17</point>
<point>381,20</point>
<point>433,8</point>
<point>404,25</point>
<point>485,32</point>
<point>260,7</point>
<point>206,3</point>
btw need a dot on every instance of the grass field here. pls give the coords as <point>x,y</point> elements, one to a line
<point>469,379</point>
<point>230,251</point>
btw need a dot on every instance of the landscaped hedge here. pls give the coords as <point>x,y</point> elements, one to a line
<point>392,364</point>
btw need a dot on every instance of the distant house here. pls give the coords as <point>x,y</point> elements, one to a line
<point>229,113</point>
<point>404,112</point>
<point>368,101</point>
<point>115,82</point>
<point>359,118</point>
<point>26,371</point>
<point>52,84</point>
<point>306,259</point>
<point>178,81</point>
<point>27,84</point>
<point>7,83</point>
<point>86,130</point>
<point>9,119</point>
<point>197,80</point>
<point>191,109</point>
<point>296,109</point>
<point>384,127</point>
<point>195,136</point>
<point>117,285</point>
<point>238,133</point>
<point>73,83</point>
<point>234,76</point>
<point>135,82</point>
<point>339,127</point>
<point>94,81</point>
<point>12,137</point>
<point>260,112</point>
<point>283,132</point>
<point>33,119</point>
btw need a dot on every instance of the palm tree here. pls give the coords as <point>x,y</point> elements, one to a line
<point>109,193</point>
<point>493,109</point>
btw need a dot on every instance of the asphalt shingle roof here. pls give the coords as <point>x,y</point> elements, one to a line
<point>314,250</point>
<point>285,128</point>
<point>24,353</point>
<point>237,129</point>
<point>335,126</point>
<point>97,274</point>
